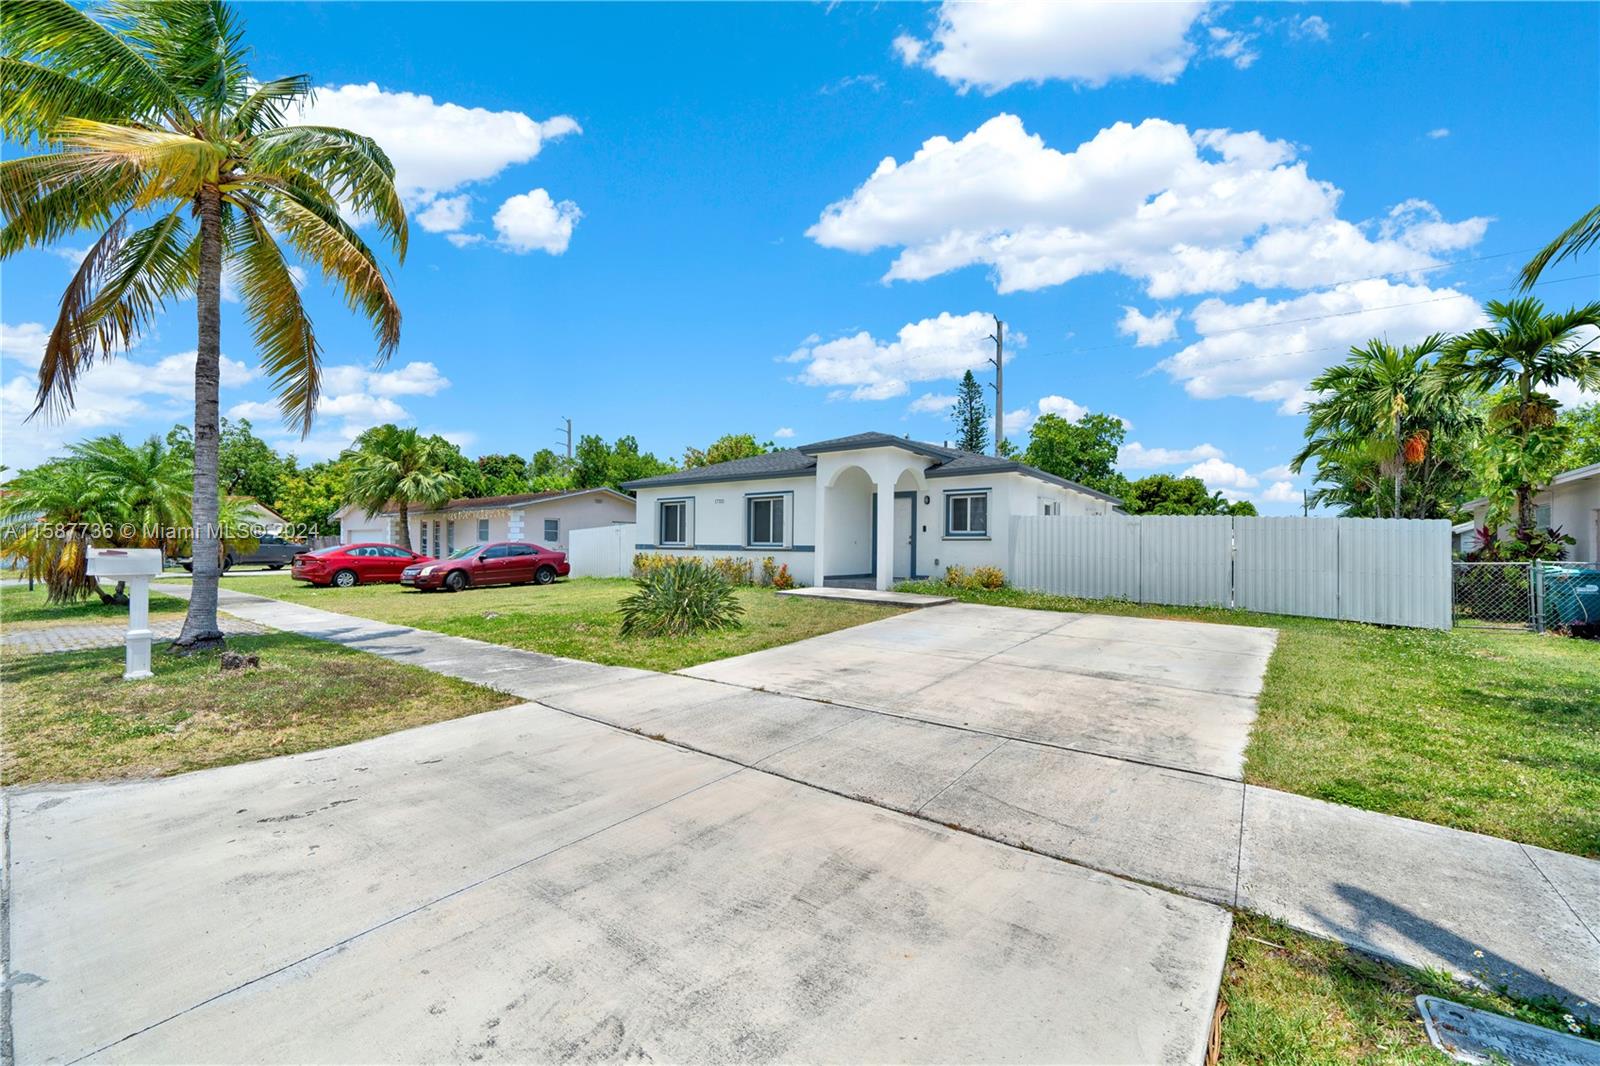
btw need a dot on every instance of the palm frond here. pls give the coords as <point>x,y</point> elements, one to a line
<point>173,164</point>
<point>265,108</point>
<point>1574,240</point>
<point>353,169</point>
<point>283,332</point>
<point>69,349</point>
<point>47,214</point>
<point>196,46</point>
<point>156,264</point>
<point>34,98</point>
<point>66,39</point>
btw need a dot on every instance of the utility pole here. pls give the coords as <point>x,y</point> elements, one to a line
<point>999,384</point>
<point>568,430</point>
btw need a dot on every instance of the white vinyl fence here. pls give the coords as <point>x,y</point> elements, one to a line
<point>1384,570</point>
<point>605,551</point>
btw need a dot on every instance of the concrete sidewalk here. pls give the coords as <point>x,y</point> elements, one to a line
<point>1420,894</point>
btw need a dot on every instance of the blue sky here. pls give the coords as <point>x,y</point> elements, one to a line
<point>681,221</point>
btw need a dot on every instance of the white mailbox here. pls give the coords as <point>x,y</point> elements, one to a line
<point>135,567</point>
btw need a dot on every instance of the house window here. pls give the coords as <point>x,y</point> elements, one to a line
<point>765,521</point>
<point>424,526</point>
<point>675,523</point>
<point>449,536</point>
<point>1051,507</point>
<point>436,541</point>
<point>552,530</point>
<point>966,514</point>
<point>483,530</point>
<point>1541,516</point>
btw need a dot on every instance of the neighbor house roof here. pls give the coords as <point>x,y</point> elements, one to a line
<point>801,462</point>
<point>478,503</point>
<point>1582,473</point>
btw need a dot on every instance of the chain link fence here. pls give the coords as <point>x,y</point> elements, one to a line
<point>1563,597</point>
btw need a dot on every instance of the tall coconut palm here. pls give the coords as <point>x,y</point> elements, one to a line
<point>401,466</point>
<point>1574,240</point>
<point>156,135</point>
<point>1384,405</point>
<point>1528,351</point>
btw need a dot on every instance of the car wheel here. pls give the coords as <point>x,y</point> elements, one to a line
<point>274,566</point>
<point>455,581</point>
<point>188,566</point>
<point>227,563</point>
<point>345,579</point>
<point>546,575</point>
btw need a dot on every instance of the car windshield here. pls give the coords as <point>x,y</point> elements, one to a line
<point>467,553</point>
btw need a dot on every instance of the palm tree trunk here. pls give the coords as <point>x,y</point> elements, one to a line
<point>200,625</point>
<point>405,527</point>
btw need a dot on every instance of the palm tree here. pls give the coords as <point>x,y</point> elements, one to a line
<point>1528,351</point>
<point>149,481</point>
<point>49,518</point>
<point>157,136</point>
<point>400,466</point>
<point>1574,240</point>
<point>1381,409</point>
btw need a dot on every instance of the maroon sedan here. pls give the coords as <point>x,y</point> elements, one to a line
<point>506,563</point>
<point>354,564</point>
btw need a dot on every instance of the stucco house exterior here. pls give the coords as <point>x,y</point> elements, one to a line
<point>544,518</point>
<point>866,509</point>
<point>1570,503</point>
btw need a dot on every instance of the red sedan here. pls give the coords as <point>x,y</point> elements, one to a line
<point>506,563</point>
<point>347,565</point>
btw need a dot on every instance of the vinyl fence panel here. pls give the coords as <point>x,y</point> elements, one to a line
<point>1094,556</point>
<point>1395,571</point>
<point>1286,566</point>
<point>605,551</point>
<point>1186,560</point>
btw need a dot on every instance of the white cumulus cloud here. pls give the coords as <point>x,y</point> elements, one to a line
<point>1149,330</point>
<point>532,222</point>
<point>990,46</point>
<point>1135,456</point>
<point>931,403</point>
<point>1282,492</point>
<point>1183,212</point>
<point>863,367</point>
<point>446,214</point>
<point>1221,474</point>
<point>783,433</point>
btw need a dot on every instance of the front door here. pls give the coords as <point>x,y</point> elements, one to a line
<point>904,530</point>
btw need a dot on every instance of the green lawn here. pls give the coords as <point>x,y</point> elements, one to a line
<point>24,609</point>
<point>1294,1000</point>
<point>69,716</point>
<point>576,619</point>
<point>1494,732</point>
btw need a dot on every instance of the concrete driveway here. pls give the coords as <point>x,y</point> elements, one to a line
<point>527,885</point>
<point>1171,694</point>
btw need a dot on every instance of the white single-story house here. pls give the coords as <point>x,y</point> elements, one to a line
<point>259,516</point>
<point>817,508</point>
<point>543,518</point>
<point>1570,503</point>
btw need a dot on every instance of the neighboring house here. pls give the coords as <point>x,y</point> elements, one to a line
<point>260,517</point>
<point>1571,503</point>
<point>817,508</point>
<point>544,518</point>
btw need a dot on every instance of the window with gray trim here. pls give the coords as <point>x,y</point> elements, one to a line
<point>552,529</point>
<point>966,514</point>
<point>675,523</point>
<point>764,520</point>
<point>483,530</point>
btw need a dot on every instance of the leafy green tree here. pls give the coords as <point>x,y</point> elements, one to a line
<point>549,472</point>
<point>600,464</point>
<point>309,496</point>
<point>246,464</point>
<point>502,475</point>
<point>1582,425</point>
<point>1527,351</point>
<point>1164,494</point>
<point>157,135</point>
<point>1394,412</point>
<point>725,449</point>
<point>1084,451</point>
<point>971,416</point>
<point>402,466</point>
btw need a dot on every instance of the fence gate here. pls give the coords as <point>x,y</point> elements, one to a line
<point>1523,596</point>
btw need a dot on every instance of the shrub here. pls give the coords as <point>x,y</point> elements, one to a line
<point>782,579</point>
<point>769,570</point>
<point>734,570</point>
<point>956,576</point>
<point>647,563</point>
<point>988,577</point>
<point>682,597</point>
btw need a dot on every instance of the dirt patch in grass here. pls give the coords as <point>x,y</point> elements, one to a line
<point>69,716</point>
<point>579,620</point>
<point>1494,732</point>
<point>1294,1000</point>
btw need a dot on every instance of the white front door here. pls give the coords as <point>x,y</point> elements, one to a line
<point>904,530</point>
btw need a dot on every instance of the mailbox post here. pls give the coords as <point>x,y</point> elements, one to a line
<point>134,567</point>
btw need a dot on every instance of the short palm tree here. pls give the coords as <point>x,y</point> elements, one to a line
<point>400,466</point>
<point>150,483</point>
<point>1574,240</point>
<point>1383,406</point>
<point>50,517</point>
<point>1528,351</point>
<point>156,135</point>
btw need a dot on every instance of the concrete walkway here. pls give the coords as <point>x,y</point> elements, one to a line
<point>1417,893</point>
<point>892,598</point>
<point>82,636</point>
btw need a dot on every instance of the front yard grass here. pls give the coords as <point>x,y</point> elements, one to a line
<point>69,716</point>
<point>1294,1000</point>
<point>22,608</point>
<point>578,619</point>
<point>1494,732</point>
